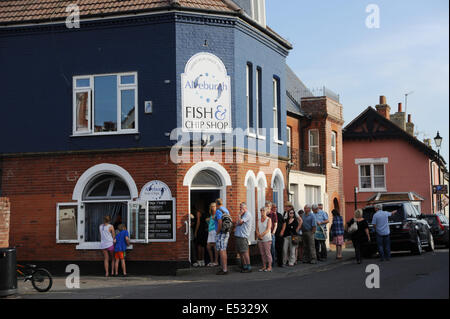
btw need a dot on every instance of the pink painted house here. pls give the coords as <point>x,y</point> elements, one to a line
<point>382,156</point>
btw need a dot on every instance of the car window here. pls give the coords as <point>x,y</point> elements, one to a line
<point>443,219</point>
<point>368,214</point>
<point>399,216</point>
<point>431,219</point>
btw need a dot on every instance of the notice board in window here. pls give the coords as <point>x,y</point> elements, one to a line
<point>161,221</point>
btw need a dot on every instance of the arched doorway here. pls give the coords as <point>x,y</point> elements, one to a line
<point>207,181</point>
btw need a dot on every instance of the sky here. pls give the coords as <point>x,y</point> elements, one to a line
<point>409,52</point>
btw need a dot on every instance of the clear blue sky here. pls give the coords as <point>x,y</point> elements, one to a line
<point>409,52</point>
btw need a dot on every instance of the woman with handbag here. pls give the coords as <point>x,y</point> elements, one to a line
<point>289,231</point>
<point>358,228</point>
<point>337,233</point>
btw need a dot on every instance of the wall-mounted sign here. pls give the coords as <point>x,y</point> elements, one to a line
<point>156,190</point>
<point>160,212</point>
<point>161,221</point>
<point>440,189</point>
<point>206,95</point>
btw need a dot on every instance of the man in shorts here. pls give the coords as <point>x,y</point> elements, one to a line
<point>242,234</point>
<point>221,236</point>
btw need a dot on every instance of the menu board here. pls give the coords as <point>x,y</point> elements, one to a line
<point>161,220</point>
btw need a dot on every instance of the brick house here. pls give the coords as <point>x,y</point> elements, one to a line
<point>315,130</point>
<point>98,118</point>
<point>384,158</point>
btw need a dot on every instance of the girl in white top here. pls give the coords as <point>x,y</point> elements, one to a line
<point>264,236</point>
<point>107,244</point>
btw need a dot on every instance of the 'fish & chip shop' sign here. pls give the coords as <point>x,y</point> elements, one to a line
<point>206,95</point>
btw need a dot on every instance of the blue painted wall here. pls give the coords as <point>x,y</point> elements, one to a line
<point>37,69</point>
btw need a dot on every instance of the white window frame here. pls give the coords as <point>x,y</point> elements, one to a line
<point>289,141</point>
<point>138,241</point>
<point>258,86</point>
<point>311,148</point>
<point>334,149</point>
<point>249,90</point>
<point>58,206</point>
<point>316,194</point>
<point>372,176</point>
<point>276,138</point>
<point>91,104</point>
<point>259,11</point>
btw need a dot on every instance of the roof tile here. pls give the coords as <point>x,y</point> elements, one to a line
<point>50,10</point>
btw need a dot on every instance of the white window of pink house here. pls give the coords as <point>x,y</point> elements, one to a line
<point>372,174</point>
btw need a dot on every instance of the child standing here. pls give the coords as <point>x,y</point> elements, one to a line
<point>121,241</point>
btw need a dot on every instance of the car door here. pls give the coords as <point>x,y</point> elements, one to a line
<point>421,225</point>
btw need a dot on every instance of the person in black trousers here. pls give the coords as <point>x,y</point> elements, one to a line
<point>361,236</point>
<point>279,240</point>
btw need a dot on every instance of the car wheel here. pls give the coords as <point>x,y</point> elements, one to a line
<point>430,247</point>
<point>417,247</point>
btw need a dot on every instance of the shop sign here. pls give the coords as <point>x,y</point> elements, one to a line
<point>206,95</point>
<point>160,212</point>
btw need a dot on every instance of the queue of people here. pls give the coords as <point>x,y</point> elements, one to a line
<point>282,239</point>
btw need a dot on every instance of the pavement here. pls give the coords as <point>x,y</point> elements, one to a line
<point>405,276</point>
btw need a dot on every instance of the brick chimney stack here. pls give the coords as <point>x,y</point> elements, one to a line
<point>410,126</point>
<point>399,118</point>
<point>383,108</point>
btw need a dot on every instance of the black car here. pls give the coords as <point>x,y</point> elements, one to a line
<point>408,231</point>
<point>439,228</point>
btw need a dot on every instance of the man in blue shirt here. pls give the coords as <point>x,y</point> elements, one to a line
<point>221,237</point>
<point>242,234</point>
<point>308,230</point>
<point>380,221</point>
<point>320,242</point>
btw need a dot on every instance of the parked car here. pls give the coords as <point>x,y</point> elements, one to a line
<point>439,228</point>
<point>408,231</point>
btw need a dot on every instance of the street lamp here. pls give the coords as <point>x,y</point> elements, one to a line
<point>356,198</point>
<point>438,142</point>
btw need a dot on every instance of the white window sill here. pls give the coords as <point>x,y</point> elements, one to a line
<point>67,242</point>
<point>372,190</point>
<point>278,142</point>
<point>334,166</point>
<point>93,246</point>
<point>104,134</point>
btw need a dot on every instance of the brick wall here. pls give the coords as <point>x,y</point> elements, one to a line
<point>35,184</point>
<point>4,222</point>
<point>327,116</point>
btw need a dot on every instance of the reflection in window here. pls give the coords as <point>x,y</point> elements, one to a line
<point>82,111</point>
<point>105,92</point>
<point>67,223</point>
<point>105,103</point>
<point>127,99</point>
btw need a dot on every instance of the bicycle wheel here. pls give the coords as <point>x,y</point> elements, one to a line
<point>42,280</point>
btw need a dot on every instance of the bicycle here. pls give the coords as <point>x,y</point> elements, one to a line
<point>41,279</point>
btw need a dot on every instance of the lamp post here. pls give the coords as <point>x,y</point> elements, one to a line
<point>438,142</point>
<point>356,198</point>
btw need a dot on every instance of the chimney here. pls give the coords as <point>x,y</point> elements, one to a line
<point>410,126</point>
<point>383,108</point>
<point>399,118</point>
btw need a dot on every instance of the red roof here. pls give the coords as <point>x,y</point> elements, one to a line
<point>32,11</point>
